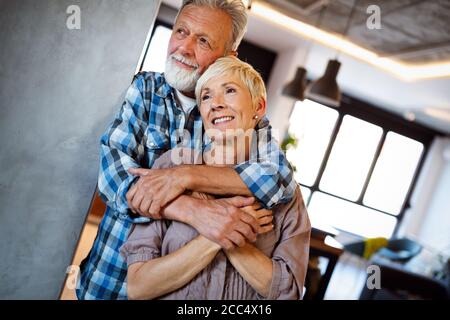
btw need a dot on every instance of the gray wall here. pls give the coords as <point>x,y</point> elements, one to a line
<point>59,89</point>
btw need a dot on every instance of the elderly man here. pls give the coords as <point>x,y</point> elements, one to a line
<point>157,110</point>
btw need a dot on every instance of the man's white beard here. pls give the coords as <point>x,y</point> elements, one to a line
<point>178,78</point>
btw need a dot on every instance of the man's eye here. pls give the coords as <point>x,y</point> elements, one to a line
<point>181,32</point>
<point>204,42</point>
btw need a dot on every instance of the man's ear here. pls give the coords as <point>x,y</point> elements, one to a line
<point>261,108</point>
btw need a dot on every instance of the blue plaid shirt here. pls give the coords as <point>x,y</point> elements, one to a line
<point>149,123</point>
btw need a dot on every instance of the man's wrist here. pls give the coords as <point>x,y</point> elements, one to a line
<point>185,176</point>
<point>178,210</point>
<point>192,208</point>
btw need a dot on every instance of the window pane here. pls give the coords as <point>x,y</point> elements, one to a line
<point>155,58</point>
<point>306,192</point>
<point>350,158</point>
<point>350,217</point>
<point>312,124</point>
<point>393,173</point>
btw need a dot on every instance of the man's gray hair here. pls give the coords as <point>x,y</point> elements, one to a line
<point>234,8</point>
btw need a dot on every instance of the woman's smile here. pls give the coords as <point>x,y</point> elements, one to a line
<point>222,120</point>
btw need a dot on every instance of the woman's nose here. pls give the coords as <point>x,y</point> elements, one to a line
<point>217,103</point>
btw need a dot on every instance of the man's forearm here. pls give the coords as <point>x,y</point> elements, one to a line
<point>214,180</point>
<point>181,209</point>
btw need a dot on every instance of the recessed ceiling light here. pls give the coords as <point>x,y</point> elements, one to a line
<point>410,116</point>
<point>407,72</point>
<point>441,114</point>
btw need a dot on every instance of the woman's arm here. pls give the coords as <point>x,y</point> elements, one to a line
<point>160,275</point>
<point>282,276</point>
<point>254,266</point>
<point>156,277</point>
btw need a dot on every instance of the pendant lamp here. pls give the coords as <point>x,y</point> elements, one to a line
<point>326,90</point>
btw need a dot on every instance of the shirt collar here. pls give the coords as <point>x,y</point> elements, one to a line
<point>162,88</point>
<point>264,122</point>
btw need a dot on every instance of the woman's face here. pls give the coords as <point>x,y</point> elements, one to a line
<point>226,105</point>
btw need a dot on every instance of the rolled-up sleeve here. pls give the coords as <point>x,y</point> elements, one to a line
<point>122,147</point>
<point>268,175</point>
<point>290,257</point>
<point>144,242</point>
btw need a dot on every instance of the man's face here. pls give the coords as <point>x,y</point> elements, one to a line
<point>198,38</point>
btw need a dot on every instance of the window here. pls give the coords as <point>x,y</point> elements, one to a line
<point>356,169</point>
<point>393,173</point>
<point>350,217</point>
<point>312,125</point>
<point>155,57</point>
<point>350,158</point>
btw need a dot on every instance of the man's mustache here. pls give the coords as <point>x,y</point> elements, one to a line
<point>182,59</point>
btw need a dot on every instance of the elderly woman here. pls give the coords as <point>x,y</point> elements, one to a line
<point>170,260</point>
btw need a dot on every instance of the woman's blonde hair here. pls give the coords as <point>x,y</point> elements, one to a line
<point>231,65</point>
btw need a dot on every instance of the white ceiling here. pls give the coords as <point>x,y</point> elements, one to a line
<point>358,78</point>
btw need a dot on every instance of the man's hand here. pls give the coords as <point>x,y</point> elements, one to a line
<point>225,222</point>
<point>154,190</point>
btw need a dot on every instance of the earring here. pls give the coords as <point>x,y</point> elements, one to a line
<point>255,117</point>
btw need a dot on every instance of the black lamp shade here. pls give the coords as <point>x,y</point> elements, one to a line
<point>326,90</point>
<point>296,88</point>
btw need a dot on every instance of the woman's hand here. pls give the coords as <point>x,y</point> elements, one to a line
<point>263,216</point>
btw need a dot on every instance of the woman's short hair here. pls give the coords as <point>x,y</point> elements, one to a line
<point>230,65</point>
<point>234,8</point>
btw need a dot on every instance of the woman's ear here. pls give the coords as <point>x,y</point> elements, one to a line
<point>260,110</point>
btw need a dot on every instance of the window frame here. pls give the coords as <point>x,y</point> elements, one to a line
<point>388,121</point>
<point>158,22</point>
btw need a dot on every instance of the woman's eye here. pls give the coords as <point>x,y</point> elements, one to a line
<point>230,90</point>
<point>205,97</point>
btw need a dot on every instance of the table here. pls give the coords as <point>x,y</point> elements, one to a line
<point>323,244</point>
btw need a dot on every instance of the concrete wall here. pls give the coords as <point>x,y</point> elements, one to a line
<point>59,89</point>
